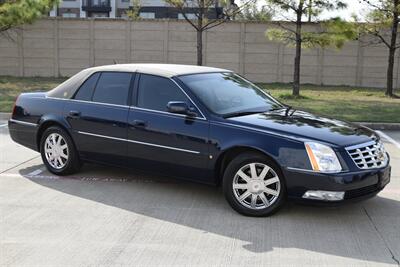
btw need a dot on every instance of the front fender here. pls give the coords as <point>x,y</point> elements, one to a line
<point>283,150</point>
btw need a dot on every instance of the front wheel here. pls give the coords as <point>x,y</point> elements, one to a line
<point>254,185</point>
<point>58,152</point>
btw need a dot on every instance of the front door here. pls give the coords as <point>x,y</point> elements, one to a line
<point>163,142</point>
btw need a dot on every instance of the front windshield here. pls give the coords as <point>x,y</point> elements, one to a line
<point>229,94</point>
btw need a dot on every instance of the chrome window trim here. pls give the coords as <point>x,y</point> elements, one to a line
<point>139,142</point>
<point>139,108</point>
<point>24,123</point>
<point>122,106</point>
<point>167,113</point>
<point>191,100</point>
<point>90,102</point>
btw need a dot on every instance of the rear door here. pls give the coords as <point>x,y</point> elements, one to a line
<point>164,142</point>
<point>98,116</point>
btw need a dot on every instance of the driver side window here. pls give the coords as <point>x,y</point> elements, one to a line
<point>155,92</point>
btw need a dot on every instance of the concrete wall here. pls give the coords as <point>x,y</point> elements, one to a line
<point>62,47</point>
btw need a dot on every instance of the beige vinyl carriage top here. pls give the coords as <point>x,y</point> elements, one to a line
<point>69,87</point>
<point>166,70</point>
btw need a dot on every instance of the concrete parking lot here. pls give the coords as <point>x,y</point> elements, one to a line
<point>105,216</point>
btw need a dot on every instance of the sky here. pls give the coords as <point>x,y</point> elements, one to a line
<point>354,6</point>
<point>357,7</point>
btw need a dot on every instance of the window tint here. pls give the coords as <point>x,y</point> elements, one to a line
<point>113,88</point>
<point>155,92</point>
<point>85,92</point>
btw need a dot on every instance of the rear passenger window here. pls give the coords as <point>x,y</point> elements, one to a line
<point>85,92</point>
<point>155,92</point>
<point>113,88</point>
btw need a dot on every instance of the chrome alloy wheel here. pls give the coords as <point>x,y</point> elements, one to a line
<point>256,186</point>
<point>56,151</point>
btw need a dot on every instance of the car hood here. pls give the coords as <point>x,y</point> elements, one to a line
<point>306,126</point>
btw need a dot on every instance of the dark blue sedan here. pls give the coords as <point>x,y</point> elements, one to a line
<point>202,124</point>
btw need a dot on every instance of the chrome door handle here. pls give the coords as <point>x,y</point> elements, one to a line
<point>74,114</point>
<point>139,124</point>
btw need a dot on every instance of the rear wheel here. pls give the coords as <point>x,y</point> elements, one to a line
<point>254,185</point>
<point>58,151</point>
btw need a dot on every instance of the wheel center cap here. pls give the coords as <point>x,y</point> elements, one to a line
<point>256,187</point>
<point>56,152</point>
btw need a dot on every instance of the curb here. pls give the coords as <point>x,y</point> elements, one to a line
<point>4,116</point>
<point>372,125</point>
<point>381,126</point>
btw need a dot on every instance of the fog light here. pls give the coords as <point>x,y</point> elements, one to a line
<point>324,195</point>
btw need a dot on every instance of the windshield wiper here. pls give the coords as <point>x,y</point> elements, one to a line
<point>288,109</point>
<point>241,113</point>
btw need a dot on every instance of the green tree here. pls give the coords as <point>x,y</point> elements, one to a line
<point>382,24</point>
<point>252,12</point>
<point>134,12</point>
<point>203,15</point>
<point>14,13</point>
<point>334,32</point>
<point>313,11</point>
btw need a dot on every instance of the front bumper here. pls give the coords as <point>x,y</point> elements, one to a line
<point>355,185</point>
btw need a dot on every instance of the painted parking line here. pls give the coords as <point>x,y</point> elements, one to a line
<point>36,172</point>
<point>390,139</point>
<point>3,125</point>
<point>36,175</point>
<point>33,175</point>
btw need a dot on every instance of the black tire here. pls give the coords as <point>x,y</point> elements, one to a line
<point>72,164</point>
<point>241,161</point>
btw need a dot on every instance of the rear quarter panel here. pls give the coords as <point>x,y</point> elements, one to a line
<point>34,109</point>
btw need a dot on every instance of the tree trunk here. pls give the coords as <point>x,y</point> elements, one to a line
<point>297,59</point>
<point>309,10</point>
<point>390,70</point>
<point>392,51</point>
<point>200,33</point>
<point>199,48</point>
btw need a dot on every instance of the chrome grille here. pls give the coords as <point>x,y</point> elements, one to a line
<point>369,155</point>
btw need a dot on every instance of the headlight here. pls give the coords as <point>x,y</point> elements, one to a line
<point>382,154</point>
<point>322,158</point>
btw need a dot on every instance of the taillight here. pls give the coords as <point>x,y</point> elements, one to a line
<point>15,106</point>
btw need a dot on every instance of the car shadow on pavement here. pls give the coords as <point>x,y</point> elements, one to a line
<point>363,231</point>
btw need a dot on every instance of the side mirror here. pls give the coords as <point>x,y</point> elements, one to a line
<point>179,107</point>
